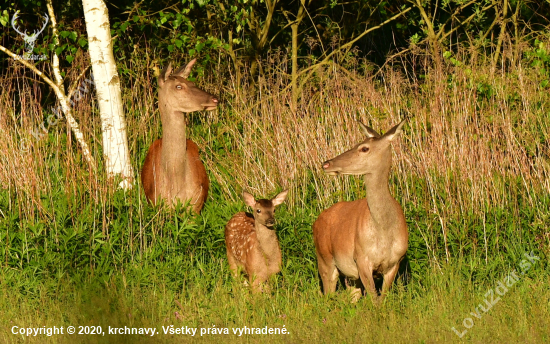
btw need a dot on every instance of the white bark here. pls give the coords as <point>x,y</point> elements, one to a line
<point>63,98</point>
<point>59,90</point>
<point>107,84</point>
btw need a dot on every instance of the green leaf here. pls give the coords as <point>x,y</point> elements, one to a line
<point>64,34</point>
<point>455,62</point>
<point>5,18</point>
<point>415,38</point>
<point>73,36</point>
<point>69,58</point>
<point>58,50</point>
<point>82,42</point>
<point>177,22</point>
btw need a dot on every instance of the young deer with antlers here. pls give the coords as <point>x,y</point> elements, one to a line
<point>172,169</point>
<point>365,239</point>
<point>251,241</point>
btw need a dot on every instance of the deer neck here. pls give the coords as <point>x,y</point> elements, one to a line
<point>174,143</point>
<point>381,203</point>
<point>268,241</point>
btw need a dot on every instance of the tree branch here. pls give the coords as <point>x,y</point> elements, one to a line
<point>439,39</point>
<point>502,33</point>
<point>453,16</point>
<point>55,58</point>
<point>313,68</point>
<point>64,106</point>
<point>431,32</point>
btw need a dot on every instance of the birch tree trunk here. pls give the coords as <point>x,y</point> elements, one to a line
<point>107,83</point>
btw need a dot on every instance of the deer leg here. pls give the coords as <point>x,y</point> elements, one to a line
<point>257,281</point>
<point>354,290</point>
<point>329,275</point>
<point>365,273</point>
<point>388,281</point>
<point>256,269</point>
<point>232,264</point>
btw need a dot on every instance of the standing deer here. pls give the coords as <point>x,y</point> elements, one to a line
<point>251,241</point>
<point>365,239</point>
<point>172,169</point>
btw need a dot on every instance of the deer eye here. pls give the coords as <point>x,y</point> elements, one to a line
<point>365,149</point>
<point>178,87</point>
<point>258,211</point>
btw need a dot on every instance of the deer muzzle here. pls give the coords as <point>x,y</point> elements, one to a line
<point>330,169</point>
<point>212,104</point>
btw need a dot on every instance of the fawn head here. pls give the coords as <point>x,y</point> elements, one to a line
<point>371,156</point>
<point>181,94</point>
<point>264,209</point>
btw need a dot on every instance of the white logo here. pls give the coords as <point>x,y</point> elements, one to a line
<point>30,39</point>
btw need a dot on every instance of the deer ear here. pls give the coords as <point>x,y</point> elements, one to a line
<point>394,132</point>
<point>184,72</point>
<point>249,199</point>
<point>280,198</point>
<point>165,74</point>
<point>368,131</point>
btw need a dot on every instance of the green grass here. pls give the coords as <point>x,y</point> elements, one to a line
<point>423,311</point>
<point>471,172</point>
<point>72,269</point>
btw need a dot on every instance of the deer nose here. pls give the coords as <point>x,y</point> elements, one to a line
<point>270,222</point>
<point>211,104</point>
<point>326,164</point>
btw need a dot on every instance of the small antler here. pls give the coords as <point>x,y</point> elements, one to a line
<point>43,27</point>
<point>15,16</point>
<point>35,34</point>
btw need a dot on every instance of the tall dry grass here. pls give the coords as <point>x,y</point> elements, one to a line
<point>470,131</point>
<point>471,171</point>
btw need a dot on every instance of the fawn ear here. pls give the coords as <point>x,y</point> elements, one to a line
<point>249,199</point>
<point>368,131</point>
<point>280,198</point>
<point>165,74</point>
<point>185,71</point>
<point>394,132</point>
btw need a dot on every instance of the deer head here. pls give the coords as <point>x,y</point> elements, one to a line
<point>264,209</point>
<point>370,156</point>
<point>29,39</point>
<point>182,95</point>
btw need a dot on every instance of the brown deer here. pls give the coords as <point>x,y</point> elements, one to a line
<point>251,241</point>
<point>172,169</point>
<point>365,239</point>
